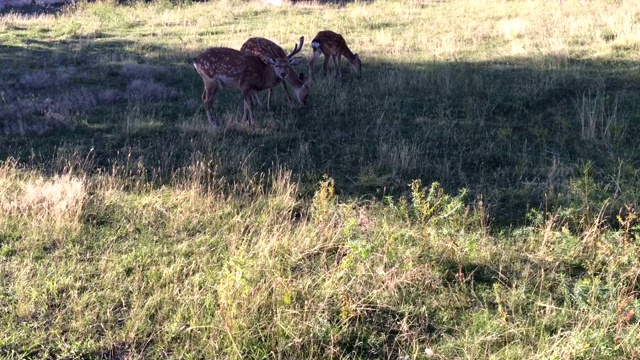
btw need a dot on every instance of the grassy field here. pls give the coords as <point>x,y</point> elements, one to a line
<point>474,194</point>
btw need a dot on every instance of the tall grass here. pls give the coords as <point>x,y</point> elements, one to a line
<point>206,269</point>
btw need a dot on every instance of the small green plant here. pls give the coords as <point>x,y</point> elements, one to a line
<point>434,203</point>
<point>585,201</point>
<point>325,197</point>
<point>629,223</point>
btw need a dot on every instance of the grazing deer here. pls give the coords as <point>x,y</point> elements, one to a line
<point>333,46</point>
<point>300,84</point>
<point>224,67</point>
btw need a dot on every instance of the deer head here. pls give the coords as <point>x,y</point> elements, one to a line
<point>280,64</point>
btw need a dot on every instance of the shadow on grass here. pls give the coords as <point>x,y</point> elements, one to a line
<point>514,131</point>
<point>34,9</point>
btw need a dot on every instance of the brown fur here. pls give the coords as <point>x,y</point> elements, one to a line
<point>300,85</point>
<point>333,46</point>
<point>225,67</point>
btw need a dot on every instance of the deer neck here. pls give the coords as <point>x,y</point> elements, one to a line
<point>270,78</point>
<point>348,54</point>
<point>293,79</point>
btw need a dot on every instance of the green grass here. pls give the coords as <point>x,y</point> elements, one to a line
<point>472,195</point>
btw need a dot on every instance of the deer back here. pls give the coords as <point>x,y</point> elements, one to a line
<point>330,42</point>
<point>252,46</point>
<point>265,49</point>
<point>235,69</point>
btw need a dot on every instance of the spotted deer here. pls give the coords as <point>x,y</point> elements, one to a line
<point>299,83</point>
<point>224,67</point>
<point>332,45</point>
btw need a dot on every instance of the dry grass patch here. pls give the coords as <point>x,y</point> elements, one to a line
<point>51,203</point>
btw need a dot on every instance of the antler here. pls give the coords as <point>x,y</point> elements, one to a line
<point>297,48</point>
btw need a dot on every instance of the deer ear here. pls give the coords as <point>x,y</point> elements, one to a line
<point>295,61</point>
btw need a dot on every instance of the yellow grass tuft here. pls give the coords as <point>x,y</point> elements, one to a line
<point>55,202</point>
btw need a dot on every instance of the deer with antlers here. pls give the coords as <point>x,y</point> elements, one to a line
<point>224,67</point>
<point>256,46</point>
<point>332,45</point>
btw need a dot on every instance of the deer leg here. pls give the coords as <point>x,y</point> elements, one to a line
<point>256,99</point>
<point>207,100</point>
<point>336,66</point>
<point>326,62</point>
<point>269,99</point>
<point>286,89</point>
<point>247,113</point>
<point>339,64</point>
<point>316,55</point>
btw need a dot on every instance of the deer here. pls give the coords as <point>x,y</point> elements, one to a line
<point>301,85</point>
<point>332,45</point>
<point>221,67</point>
